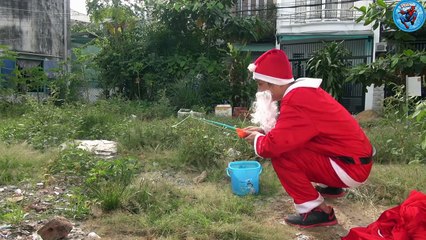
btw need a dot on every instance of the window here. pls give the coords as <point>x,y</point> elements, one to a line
<point>300,11</point>
<point>315,9</point>
<point>347,11</point>
<point>331,8</point>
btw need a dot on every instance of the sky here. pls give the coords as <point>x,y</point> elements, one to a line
<point>79,6</point>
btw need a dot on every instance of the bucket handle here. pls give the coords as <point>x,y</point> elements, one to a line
<point>229,175</point>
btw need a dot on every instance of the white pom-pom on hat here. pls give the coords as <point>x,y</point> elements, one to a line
<point>251,67</point>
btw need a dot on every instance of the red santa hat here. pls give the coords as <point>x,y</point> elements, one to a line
<point>273,67</point>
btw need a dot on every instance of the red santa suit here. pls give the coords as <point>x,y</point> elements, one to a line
<point>315,139</point>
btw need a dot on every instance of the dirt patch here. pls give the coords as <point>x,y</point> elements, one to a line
<point>367,116</point>
<point>349,214</point>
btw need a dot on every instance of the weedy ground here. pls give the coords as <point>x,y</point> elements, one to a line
<point>148,191</point>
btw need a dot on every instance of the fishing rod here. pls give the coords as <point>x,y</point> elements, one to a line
<point>240,132</point>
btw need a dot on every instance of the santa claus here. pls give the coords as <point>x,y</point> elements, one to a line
<point>313,139</point>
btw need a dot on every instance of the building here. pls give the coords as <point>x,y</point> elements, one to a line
<point>303,26</point>
<point>38,31</point>
<point>264,9</point>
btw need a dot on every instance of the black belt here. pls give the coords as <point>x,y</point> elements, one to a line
<point>350,160</point>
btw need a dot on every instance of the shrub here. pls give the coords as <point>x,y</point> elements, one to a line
<point>397,137</point>
<point>107,181</point>
<point>154,134</point>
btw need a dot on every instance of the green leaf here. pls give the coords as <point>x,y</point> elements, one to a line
<point>394,62</point>
<point>381,3</point>
<point>359,19</point>
<point>368,21</point>
<point>376,24</point>
<point>408,52</point>
<point>423,145</point>
<point>423,59</point>
<point>362,9</point>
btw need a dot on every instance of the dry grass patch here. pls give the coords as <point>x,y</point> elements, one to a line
<point>21,162</point>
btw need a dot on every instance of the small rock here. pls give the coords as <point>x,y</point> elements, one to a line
<point>38,208</point>
<point>36,237</point>
<point>233,153</point>
<point>301,236</point>
<point>2,189</point>
<point>201,178</point>
<point>5,227</point>
<point>15,199</point>
<point>55,229</point>
<point>18,191</point>
<point>92,236</point>
<point>40,184</point>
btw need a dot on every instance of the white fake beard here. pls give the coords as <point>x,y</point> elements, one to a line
<point>265,111</point>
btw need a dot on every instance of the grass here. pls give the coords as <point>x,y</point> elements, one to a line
<point>20,162</point>
<point>205,212</point>
<point>391,184</point>
<point>12,213</point>
<point>397,142</point>
<point>138,208</point>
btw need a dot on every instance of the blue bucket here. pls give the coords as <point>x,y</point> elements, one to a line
<point>244,177</point>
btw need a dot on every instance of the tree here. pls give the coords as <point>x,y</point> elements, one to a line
<point>380,14</point>
<point>394,66</point>
<point>183,47</point>
<point>390,69</point>
<point>6,86</point>
<point>330,64</point>
<point>241,86</point>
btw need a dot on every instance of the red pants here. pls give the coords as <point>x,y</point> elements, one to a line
<point>299,168</point>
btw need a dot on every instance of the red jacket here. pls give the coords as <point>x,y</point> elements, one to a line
<point>312,119</point>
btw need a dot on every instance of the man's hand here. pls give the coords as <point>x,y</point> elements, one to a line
<point>252,131</point>
<point>250,138</point>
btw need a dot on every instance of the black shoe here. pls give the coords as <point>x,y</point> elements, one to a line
<point>330,192</point>
<point>315,218</point>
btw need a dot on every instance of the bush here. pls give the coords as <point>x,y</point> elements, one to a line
<point>154,134</point>
<point>107,181</point>
<point>73,162</point>
<point>206,147</point>
<point>46,125</point>
<point>397,137</point>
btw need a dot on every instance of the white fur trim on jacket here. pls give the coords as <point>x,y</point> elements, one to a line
<point>304,82</point>
<point>255,143</point>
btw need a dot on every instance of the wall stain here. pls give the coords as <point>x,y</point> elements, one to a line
<point>33,26</point>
